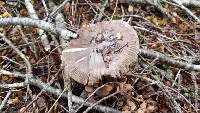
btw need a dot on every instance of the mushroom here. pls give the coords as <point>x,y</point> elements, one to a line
<point>103,49</point>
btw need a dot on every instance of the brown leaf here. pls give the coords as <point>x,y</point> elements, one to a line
<point>130,103</point>
<point>151,109</point>
<point>133,107</point>
<point>89,88</point>
<point>104,91</point>
<point>141,110</point>
<point>33,61</point>
<point>126,108</point>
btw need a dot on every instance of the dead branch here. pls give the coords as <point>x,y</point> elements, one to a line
<point>168,61</point>
<point>47,88</point>
<point>187,11</point>
<point>29,67</point>
<point>195,3</point>
<point>42,90</point>
<point>3,103</point>
<point>15,74</point>
<point>76,99</point>
<point>59,8</point>
<point>34,15</point>
<point>46,26</point>
<point>59,20</point>
<point>13,85</point>
<point>99,16</point>
<point>92,94</point>
<point>98,102</point>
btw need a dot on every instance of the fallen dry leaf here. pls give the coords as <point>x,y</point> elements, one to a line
<point>13,101</point>
<point>130,103</point>
<point>126,108</point>
<point>133,107</point>
<point>140,110</point>
<point>5,77</point>
<point>89,88</point>
<point>104,91</point>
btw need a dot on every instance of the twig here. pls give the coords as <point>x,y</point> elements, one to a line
<point>195,3</point>
<point>194,80</point>
<point>115,8</point>
<point>67,85</point>
<point>155,33</point>
<point>98,102</point>
<point>13,85</point>
<point>47,88</point>
<point>164,89</point>
<point>57,100</point>
<point>3,103</point>
<point>177,76</point>
<point>59,22</point>
<point>57,92</point>
<point>187,10</point>
<point>181,95</point>
<point>100,15</point>
<point>16,74</point>
<point>29,69</point>
<point>34,15</point>
<point>42,90</point>
<point>168,61</point>
<point>23,36</point>
<point>17,46</point>
<point>32,46</point>
<point>6,58</point>
<point>73,8</point>
<point>69,95</point>
<point>58,9</point>
<point>46,26</point>
<point>90,97</point>
<point>170,97</point>
<point>45,7</point>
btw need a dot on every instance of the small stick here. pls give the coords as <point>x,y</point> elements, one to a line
<point>98,102</point>
<point>34,15</point>
<point>168,60</point>
<point>5,100</point>
<point>29,68</point>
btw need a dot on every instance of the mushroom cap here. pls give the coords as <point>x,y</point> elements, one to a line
<point>102,49</point>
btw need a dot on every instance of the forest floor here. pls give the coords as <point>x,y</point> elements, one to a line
<point>151,86</point>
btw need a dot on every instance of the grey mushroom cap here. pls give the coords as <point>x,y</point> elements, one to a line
<point>102,49</point>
